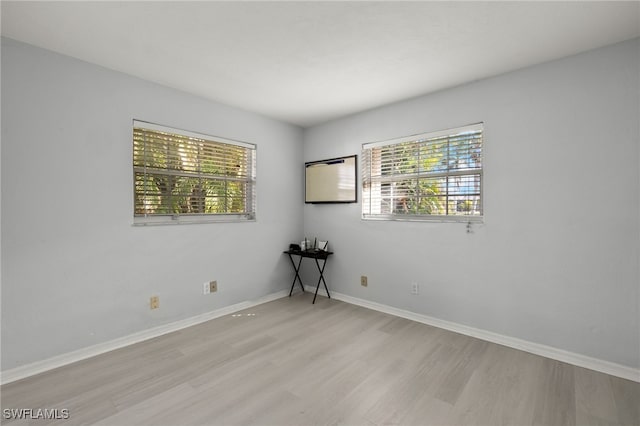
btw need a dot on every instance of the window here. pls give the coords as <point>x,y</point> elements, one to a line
<point>432,176</point>
<point>183,177</point>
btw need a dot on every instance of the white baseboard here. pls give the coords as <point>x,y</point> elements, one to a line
<point>607,367</point>
<point>573,358</point>
<point>60,360</point>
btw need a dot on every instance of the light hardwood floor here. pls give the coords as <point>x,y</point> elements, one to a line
<point>289,362</point>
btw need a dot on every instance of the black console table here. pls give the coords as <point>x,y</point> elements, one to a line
<point>316,255</point>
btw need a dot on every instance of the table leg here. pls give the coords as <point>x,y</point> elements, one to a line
<point>297,277</point>
<point>321,270</point>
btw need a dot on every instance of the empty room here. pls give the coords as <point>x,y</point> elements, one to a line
<point>320,212</point>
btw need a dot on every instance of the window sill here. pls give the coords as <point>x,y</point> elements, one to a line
<point>417,218</point>
<point>160,220</point>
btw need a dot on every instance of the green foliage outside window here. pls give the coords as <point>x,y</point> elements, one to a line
<point>183,175</point>
<point>424,176</point>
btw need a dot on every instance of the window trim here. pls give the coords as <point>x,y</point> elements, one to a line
<point>196,218</point>
<point>422,217</point>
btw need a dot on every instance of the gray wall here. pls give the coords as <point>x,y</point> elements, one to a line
<point>556,260</point>
<point>75,272</point>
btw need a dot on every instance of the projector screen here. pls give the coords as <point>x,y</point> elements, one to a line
<point>331,181</point>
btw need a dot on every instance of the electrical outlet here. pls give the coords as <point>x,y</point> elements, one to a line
<point>363,281</point>
<point>154,302</point>
<point>213,286</point>
<point>205,288</point>
<point>415,288</point>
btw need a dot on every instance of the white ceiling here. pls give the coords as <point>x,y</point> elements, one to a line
<point>310,62</point>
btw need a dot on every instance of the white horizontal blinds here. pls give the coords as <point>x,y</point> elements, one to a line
<point>428,175</point>
<point>183,174</point>
<point>371,184</point>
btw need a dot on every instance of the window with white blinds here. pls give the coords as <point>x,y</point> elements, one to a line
<point>432,176</point>
<point>182,177</point>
